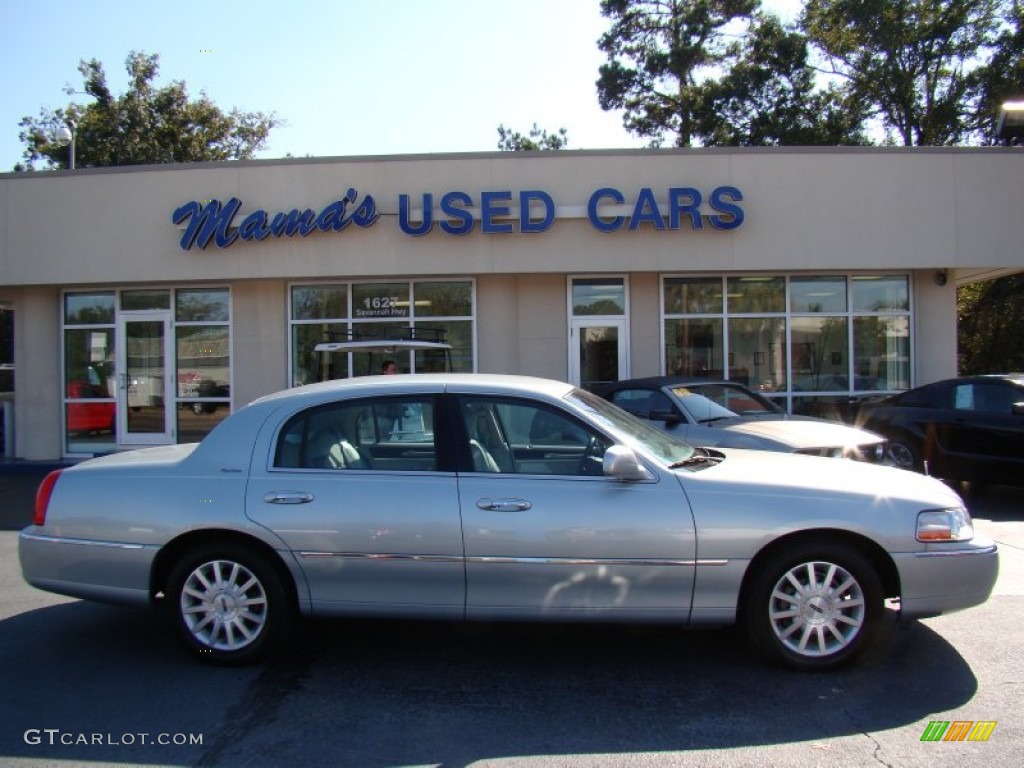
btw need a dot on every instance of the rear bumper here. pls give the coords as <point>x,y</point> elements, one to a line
<point>945,580</point>
<point>112,572</point>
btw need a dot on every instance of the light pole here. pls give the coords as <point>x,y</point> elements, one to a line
<point>66,137</point>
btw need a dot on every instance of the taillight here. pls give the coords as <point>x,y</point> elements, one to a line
<point>43,494</point>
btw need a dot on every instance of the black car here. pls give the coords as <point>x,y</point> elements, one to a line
<point>969,428</point>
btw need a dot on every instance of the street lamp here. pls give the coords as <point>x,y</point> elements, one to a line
<point>1010,127</point>
<point>66,137</point>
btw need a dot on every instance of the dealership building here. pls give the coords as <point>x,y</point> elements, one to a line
<point>148,302</point>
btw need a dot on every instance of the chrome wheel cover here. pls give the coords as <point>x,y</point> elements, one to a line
<point>224,605</point>
<point>816,609</point>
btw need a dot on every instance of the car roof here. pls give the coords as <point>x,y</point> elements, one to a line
<point>410,383</point>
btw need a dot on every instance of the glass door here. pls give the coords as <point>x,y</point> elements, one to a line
<point>599,351</point>
<point>145,397</point>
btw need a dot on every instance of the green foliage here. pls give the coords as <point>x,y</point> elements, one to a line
<point>989,326</point>
<point>917,65</point>
<point>144,125</point>
<point>769,97</point>
<point>1002,79</point>
<point>660,53</point>
<point>538,139</point>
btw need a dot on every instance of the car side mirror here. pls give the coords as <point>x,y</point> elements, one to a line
<point>671,418</point>
<point>622,463</point>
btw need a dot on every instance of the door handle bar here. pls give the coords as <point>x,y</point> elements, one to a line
<point>288,497</point>
<point>504,505</point>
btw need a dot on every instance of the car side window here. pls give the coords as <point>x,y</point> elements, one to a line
<point>509,436</point>
<point>394,434</point>
<point>984,398</point>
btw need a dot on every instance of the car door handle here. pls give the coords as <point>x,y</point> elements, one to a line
<point>504,505</point>
<point>288,497</point>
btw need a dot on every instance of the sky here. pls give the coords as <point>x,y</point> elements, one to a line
<point>348,77</point>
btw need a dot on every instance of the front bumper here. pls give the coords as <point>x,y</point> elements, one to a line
<point>947,578</point>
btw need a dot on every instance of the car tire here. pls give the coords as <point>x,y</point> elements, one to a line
<point>904,453</point>
<point>814,607</point>
<point>228,604</point>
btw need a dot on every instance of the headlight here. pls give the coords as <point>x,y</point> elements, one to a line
<point>945,525</point>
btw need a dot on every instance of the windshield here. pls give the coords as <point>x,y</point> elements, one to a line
<point>710,402</point>
<point>635,433</point>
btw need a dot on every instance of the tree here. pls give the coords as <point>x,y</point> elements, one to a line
<point>539,138</point>
<point>1002,79</point>
<point>913,63</point>
<point>988,327</point>
<point>144,125</point>
<point>659,52</point>
<point>770,97</point>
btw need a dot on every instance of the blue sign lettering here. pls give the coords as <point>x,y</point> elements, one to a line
<point>213,221</point>
<point>458,214</point>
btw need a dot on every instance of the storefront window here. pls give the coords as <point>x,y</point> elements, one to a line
<point>202,306</point>
<point>88,308</point>
<point>103,386</point>
<point>694,347</point>
<point>90,373</point>
<point>837,335</point>
<point>817,294</point>
<point>443,299</point>
<point>425,309</point>
<point>820,354</point>
<point>881,293</point>
<point>747,295</point>
<point>598,296</point>
<point>881,348</point>
<point>757,352</point>
<point>693,295</point>
<point>137,300</point>
<point>319,302</point>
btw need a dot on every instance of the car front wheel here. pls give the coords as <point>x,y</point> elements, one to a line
<point>228,604</point>
<point>813,608</point>
<point>904,454</point>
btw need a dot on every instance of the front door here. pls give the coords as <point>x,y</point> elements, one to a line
<point>145,396</point>
<point>598,351</point>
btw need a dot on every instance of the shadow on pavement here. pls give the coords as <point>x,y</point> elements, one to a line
<point>394,693</point>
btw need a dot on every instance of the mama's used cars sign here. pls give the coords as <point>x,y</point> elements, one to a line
<point>459,213</point>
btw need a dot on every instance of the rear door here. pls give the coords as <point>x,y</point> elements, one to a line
<point>358,491</point>
<point>547,535</point>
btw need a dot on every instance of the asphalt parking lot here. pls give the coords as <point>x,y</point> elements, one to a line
<point>375,694</point>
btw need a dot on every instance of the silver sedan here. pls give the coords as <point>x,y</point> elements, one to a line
<point>498,497</point>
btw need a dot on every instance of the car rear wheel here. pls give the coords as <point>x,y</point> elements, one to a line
<point>229,605</point>
<point>813,608</point>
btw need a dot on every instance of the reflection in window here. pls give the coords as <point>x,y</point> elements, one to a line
<point>747,295</point>
<point>757,352</point>
<point>693,347</point>
<point>88,308</point>
<point>598,296</point>
<point>880,293</point>
<point>380,310</point>
<point>820,352</point>
<point>693,295</point>
<point>881,348</point>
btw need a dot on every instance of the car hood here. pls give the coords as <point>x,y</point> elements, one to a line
<point>771,474</point>
<point>802,434</point>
